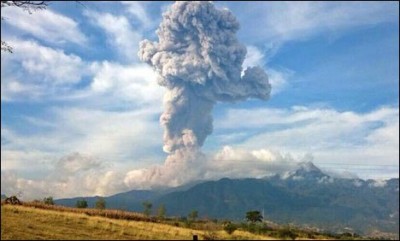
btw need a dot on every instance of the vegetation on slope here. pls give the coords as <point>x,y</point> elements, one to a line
<point>23,222</point>
<point>37,220</point>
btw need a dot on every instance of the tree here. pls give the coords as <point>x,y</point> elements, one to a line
<point>161,211</point>
<point>26,5</point>
<point>100,203</point>
<point>147,208</point>
<point>13,200</point>
<point>254,216</point>
<point>81,203</point>
<point>48,200</point>
<point>193,215</point>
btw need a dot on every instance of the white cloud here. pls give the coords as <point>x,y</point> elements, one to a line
<point>34,70</point>
<point>228,162</point>
<point>136,83</point>
<point>13,89</point>
<point>287,21</point>
<point>378,183</point>
<point>71,171</point>
<point>254,57</point>
<point>113,142</point>
<point>279,79</point>
<point>46,25</point>
<point>138,10</point>
<point>76,162</point>
<point>125,139</point>
<point>54,65</point>
<point>14,160</point>
<point>353,141</point>
<point>121,135</point>
<point>241,163</point>
<point>120,33</point>
<point>107,134</point>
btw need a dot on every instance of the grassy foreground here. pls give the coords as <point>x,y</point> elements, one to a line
<point>22,222</point>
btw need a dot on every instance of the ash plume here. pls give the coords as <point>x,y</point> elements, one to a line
<point>198,59</point>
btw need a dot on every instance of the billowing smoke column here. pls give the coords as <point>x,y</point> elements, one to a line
<point>199,60</point>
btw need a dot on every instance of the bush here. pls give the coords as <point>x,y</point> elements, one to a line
<point>48,200</point>
<point>287,233</point>
<point>81,204</point>
<point>100,203</point>
<point>230,228</point>
<point>147,208</point>
<point>161,212</point>
<point>193,215</point>
<point>210,235</point>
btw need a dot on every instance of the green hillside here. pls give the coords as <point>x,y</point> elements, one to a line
<point>22,222</point>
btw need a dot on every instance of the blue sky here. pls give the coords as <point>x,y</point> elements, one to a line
<point>79,108</point>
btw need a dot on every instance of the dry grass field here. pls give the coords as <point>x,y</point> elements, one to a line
<point>27,222</point>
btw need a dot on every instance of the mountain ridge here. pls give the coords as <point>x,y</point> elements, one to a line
<point>304,196</point>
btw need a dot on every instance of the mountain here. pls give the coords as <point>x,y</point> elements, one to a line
<point>305,196</point>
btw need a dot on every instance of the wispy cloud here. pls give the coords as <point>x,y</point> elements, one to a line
<point>37,72</point>
<point>46,25</point>
<point>104,144</point>
<point>138,11</point>
<point>119,31</point>
<point>346,138</point>
<point>34,70</point>
<point>100,133</point>
<point>136,83</point>
<point>288,21</point>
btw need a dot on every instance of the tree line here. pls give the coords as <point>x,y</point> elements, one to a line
<point>81,203</point>
<point>251,216</point>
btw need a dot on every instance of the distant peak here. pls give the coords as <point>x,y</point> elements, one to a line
<point>305,170</point>
<point>308,167</point>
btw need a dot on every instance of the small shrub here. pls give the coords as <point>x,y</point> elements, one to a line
<point>193,215</point>
<point>81,204</point>
<point>210,235</point>
<point>188,223</point>
<point>251,228</point>
<point>287,233</point>
<point>100,203</point>
<point>310,235</point>
<point>147,208</point>
<point>48,201</point>
<point>230,228</point>
<point>161,212</point>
